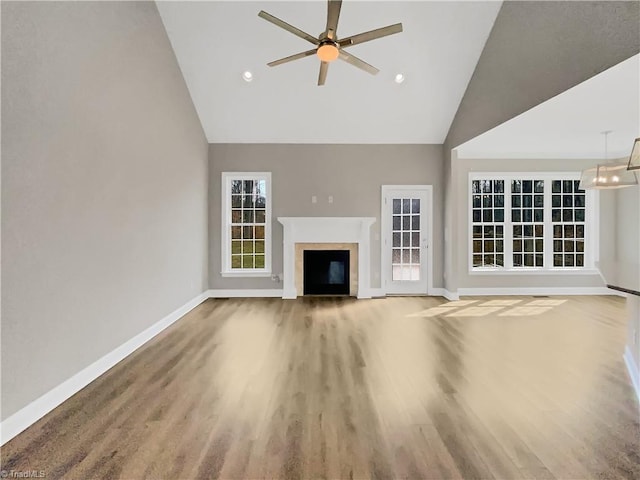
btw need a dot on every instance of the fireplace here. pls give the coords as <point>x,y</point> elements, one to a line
<point>326,272</point>
<point>350,234</point>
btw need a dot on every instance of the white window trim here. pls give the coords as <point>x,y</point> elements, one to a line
<point>225,216</point>
<point>592,224</point>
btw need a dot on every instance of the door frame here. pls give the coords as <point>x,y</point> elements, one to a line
<point>385,235</point>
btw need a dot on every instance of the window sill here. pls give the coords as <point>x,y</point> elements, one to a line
<point>264,274</point>
<point>534,271</point>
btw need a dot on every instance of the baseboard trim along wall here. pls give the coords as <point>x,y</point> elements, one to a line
<point>634,371</point>
<point>37,409</point>
<point>245,293</point>
<point>463,292</point>
<point>443,292</point>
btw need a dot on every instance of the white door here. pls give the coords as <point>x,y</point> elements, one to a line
<point>406,237</point>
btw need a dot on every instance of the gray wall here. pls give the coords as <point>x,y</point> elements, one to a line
<point>353,174</point>
<point>104,192</point>
<point>537,50</point>
<point>462,168</point>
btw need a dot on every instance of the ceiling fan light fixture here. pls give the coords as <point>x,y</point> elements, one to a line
<point>247,76</point>
<point>328,52</point>
<point>399,78</point>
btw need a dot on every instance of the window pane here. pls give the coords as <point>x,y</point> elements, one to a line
<point>247,246</point>
<point>261,216</point>
<point>396,239</point>
<point>415,222</point>
<point>415,255</point>
<point>406,253</point>
<point>516,200</point>
<point>248,216</point>
<point>406,220</point>
<point>557,231</point>
<point>259,246</point>
<point>236,232</point>
<point>236,201</point>
<point>260,232</point>
<point>248,186</point>
<point>556,186</point>
<point>487,201</point>
<point>415,239</point>
<point>248,201</point>
<point>236,247</point>
<point>395,255</point>
<point>261,202</point>
<point>236,216</point>
<point>406,205</point>
<point>236,261</point>
<point>396,206</point>
<point>415,205</point>
<point>247,232</point>
<point>406,239</point>
<point>236,186</point>
<point>247,261</point>
<point>259,261</point>
<point>396,222</point>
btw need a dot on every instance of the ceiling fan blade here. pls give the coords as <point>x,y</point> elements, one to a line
<point>370,35</point>
<point>324,68</point>
<point>289,28</point>
<point>356,62</point>
<point>333,15</point>
<point>291,58</point>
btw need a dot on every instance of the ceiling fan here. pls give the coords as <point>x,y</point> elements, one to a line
<point>328,47</point>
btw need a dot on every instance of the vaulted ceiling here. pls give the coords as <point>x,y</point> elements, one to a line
<point>215,42</point>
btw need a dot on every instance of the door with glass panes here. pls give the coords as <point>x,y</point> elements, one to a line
<point>405,244</point>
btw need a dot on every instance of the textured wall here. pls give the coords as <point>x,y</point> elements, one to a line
<point>352,174</point>
<point>104,192</point>
<point>538,50</point>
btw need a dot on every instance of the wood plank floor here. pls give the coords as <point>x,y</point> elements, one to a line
<point>500,387</point>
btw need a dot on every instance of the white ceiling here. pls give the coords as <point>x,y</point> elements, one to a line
<point>570,124</point>
<point>215,42</point>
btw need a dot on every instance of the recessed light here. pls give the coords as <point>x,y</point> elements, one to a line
<point>247,76</point>
<point>399,78</point>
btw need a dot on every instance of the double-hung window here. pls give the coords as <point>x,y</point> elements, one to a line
<point>531,222</point>
<point>246,224</point>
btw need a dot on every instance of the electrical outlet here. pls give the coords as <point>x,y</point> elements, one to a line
<point>330,198</point>
<point>314,199</point>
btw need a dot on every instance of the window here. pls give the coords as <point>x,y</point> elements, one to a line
<point>530,222</point>
<point>246,224</point>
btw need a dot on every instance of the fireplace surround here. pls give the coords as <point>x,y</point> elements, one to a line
<point>326,233</point>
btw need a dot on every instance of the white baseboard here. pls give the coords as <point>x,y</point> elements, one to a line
<point>537,291</point>
<point>245,293</point>
<point>634,371</point>
<point>443,292</point>
<point>37,409</point>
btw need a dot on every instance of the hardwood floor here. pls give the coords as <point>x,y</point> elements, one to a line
<point>500,387</point>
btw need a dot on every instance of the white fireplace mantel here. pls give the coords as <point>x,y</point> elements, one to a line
<point>326,230</point>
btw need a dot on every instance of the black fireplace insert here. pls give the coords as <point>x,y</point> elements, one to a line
<point>326,272</point>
